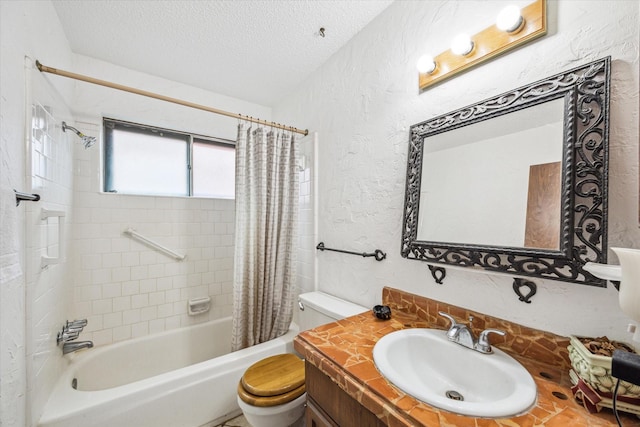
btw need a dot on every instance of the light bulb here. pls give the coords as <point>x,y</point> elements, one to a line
<point>462,44</point>
<point>509,19</point>
<point>426,64</point>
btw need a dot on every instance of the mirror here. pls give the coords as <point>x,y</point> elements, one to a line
<point>514,162</point>
<point>515,183</point>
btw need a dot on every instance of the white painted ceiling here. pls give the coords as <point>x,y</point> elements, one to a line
<point>256,50</point>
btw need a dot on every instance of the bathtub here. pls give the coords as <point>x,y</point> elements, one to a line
<point>180,378</point>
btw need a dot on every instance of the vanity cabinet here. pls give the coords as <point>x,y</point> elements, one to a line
<point>330,406</point>
<point>315,417</point>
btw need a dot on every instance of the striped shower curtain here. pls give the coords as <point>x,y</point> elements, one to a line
<point>265,235</point>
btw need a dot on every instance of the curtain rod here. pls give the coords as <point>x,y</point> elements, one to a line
<point>45,69</point>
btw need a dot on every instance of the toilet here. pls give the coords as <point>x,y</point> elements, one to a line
<point>271,392</point>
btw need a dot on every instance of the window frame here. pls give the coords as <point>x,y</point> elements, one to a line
<point>110,124</point>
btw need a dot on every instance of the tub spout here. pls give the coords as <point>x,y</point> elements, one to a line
<point>70,347</point>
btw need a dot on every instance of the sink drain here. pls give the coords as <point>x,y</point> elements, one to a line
<point>452,394</point>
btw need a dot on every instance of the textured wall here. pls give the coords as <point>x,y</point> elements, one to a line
<point>362,102</point>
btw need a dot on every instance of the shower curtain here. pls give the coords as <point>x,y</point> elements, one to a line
<point>265,235</point>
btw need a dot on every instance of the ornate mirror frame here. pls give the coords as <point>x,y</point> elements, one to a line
<point>585,148</point>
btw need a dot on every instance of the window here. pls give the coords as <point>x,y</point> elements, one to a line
<point>152,161</point>
<point>214,169</point>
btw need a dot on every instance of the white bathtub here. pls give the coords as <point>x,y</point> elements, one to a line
<point>184,378</point>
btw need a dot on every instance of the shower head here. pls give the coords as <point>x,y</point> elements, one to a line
<point>88,141</point>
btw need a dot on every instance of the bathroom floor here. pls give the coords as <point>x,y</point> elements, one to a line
<point>241,422</point>
<point>236,422</point>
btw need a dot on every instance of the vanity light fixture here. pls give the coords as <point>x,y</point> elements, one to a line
<point>462,44</point>
<point>426,64</point>
<point>510,19</point>
<point>513,28</point>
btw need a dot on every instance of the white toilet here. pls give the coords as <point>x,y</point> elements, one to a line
<point>266,404</point>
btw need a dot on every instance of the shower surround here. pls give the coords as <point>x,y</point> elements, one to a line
<point>48,173</point>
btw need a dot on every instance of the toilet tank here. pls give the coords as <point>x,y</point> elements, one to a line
<point>318,308</point>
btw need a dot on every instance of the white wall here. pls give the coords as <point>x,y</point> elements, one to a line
<point>26,29</point>
<point>362,103</point>
<point>92,102</point>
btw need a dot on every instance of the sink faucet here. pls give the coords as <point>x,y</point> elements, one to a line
<point>461,334</point>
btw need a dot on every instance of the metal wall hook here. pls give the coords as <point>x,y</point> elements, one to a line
<point>517,286</point>
<point>438,273</point>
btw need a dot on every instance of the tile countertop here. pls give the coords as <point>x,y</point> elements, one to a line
<point>343,350</point>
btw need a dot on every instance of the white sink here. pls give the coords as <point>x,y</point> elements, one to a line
<point>426,365</point>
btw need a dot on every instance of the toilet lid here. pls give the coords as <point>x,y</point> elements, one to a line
<point>267,401</point>
<point>274,375</point>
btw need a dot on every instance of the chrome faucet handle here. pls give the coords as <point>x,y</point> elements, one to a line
<point>451,319</point>
<point>66,336</point>
<point>454,327</point>
<point>483,345</point>
<point>78,323</point>
<point>71,330</point>
<point>74,329</point>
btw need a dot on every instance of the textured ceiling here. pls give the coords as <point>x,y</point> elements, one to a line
<point>257,50</point>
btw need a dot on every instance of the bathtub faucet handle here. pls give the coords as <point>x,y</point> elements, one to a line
<point>78,323</point>
<point>71,331</point>
<point>66,336</point>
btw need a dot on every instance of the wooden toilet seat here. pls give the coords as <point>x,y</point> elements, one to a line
<point>273,381</point>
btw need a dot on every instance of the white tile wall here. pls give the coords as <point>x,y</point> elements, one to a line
<point>306,224</point>
<point>47,289</point>
<point>125,288</point>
